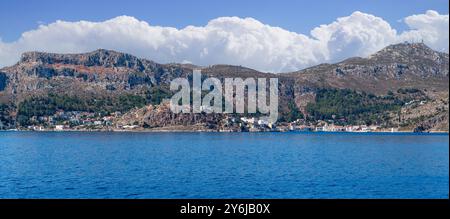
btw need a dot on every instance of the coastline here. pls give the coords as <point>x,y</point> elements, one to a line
<point>219,131</point>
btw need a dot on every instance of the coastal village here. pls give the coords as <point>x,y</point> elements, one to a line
<point>88,121</point>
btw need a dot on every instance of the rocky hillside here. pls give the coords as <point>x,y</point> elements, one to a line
<point>100,72</point>
<point>400,66</point>
<point>103,80</point>
<point>396,66</point>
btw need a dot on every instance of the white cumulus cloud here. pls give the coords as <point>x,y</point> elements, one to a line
<point>231,40</point>
<point>359,34</point>
<point>430,27</point>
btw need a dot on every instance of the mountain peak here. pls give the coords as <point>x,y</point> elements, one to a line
<point>407,51</point>
<point>408,48</point>
<point>407,45</point>
<point>99,57</point>
<point>107,52</point>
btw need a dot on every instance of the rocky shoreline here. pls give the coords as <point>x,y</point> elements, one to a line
<point>216,131</point>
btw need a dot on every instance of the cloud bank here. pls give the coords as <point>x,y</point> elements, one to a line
<point>232,40</point>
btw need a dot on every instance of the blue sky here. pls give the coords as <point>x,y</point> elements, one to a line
<point>275,36</point>
<point>17,16</point>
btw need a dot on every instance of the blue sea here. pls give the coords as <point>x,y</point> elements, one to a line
<point>223,165</point>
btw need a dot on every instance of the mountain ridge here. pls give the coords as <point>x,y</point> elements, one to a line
<point>108,74</point>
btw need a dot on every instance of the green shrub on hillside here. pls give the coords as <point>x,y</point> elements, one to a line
<point>49,105</point>
<point>351,107</point>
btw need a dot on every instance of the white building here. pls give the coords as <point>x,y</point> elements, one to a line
<point>59,127</point>
<point>263,122</point>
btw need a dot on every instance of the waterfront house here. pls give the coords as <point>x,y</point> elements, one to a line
<point>59,127</point>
